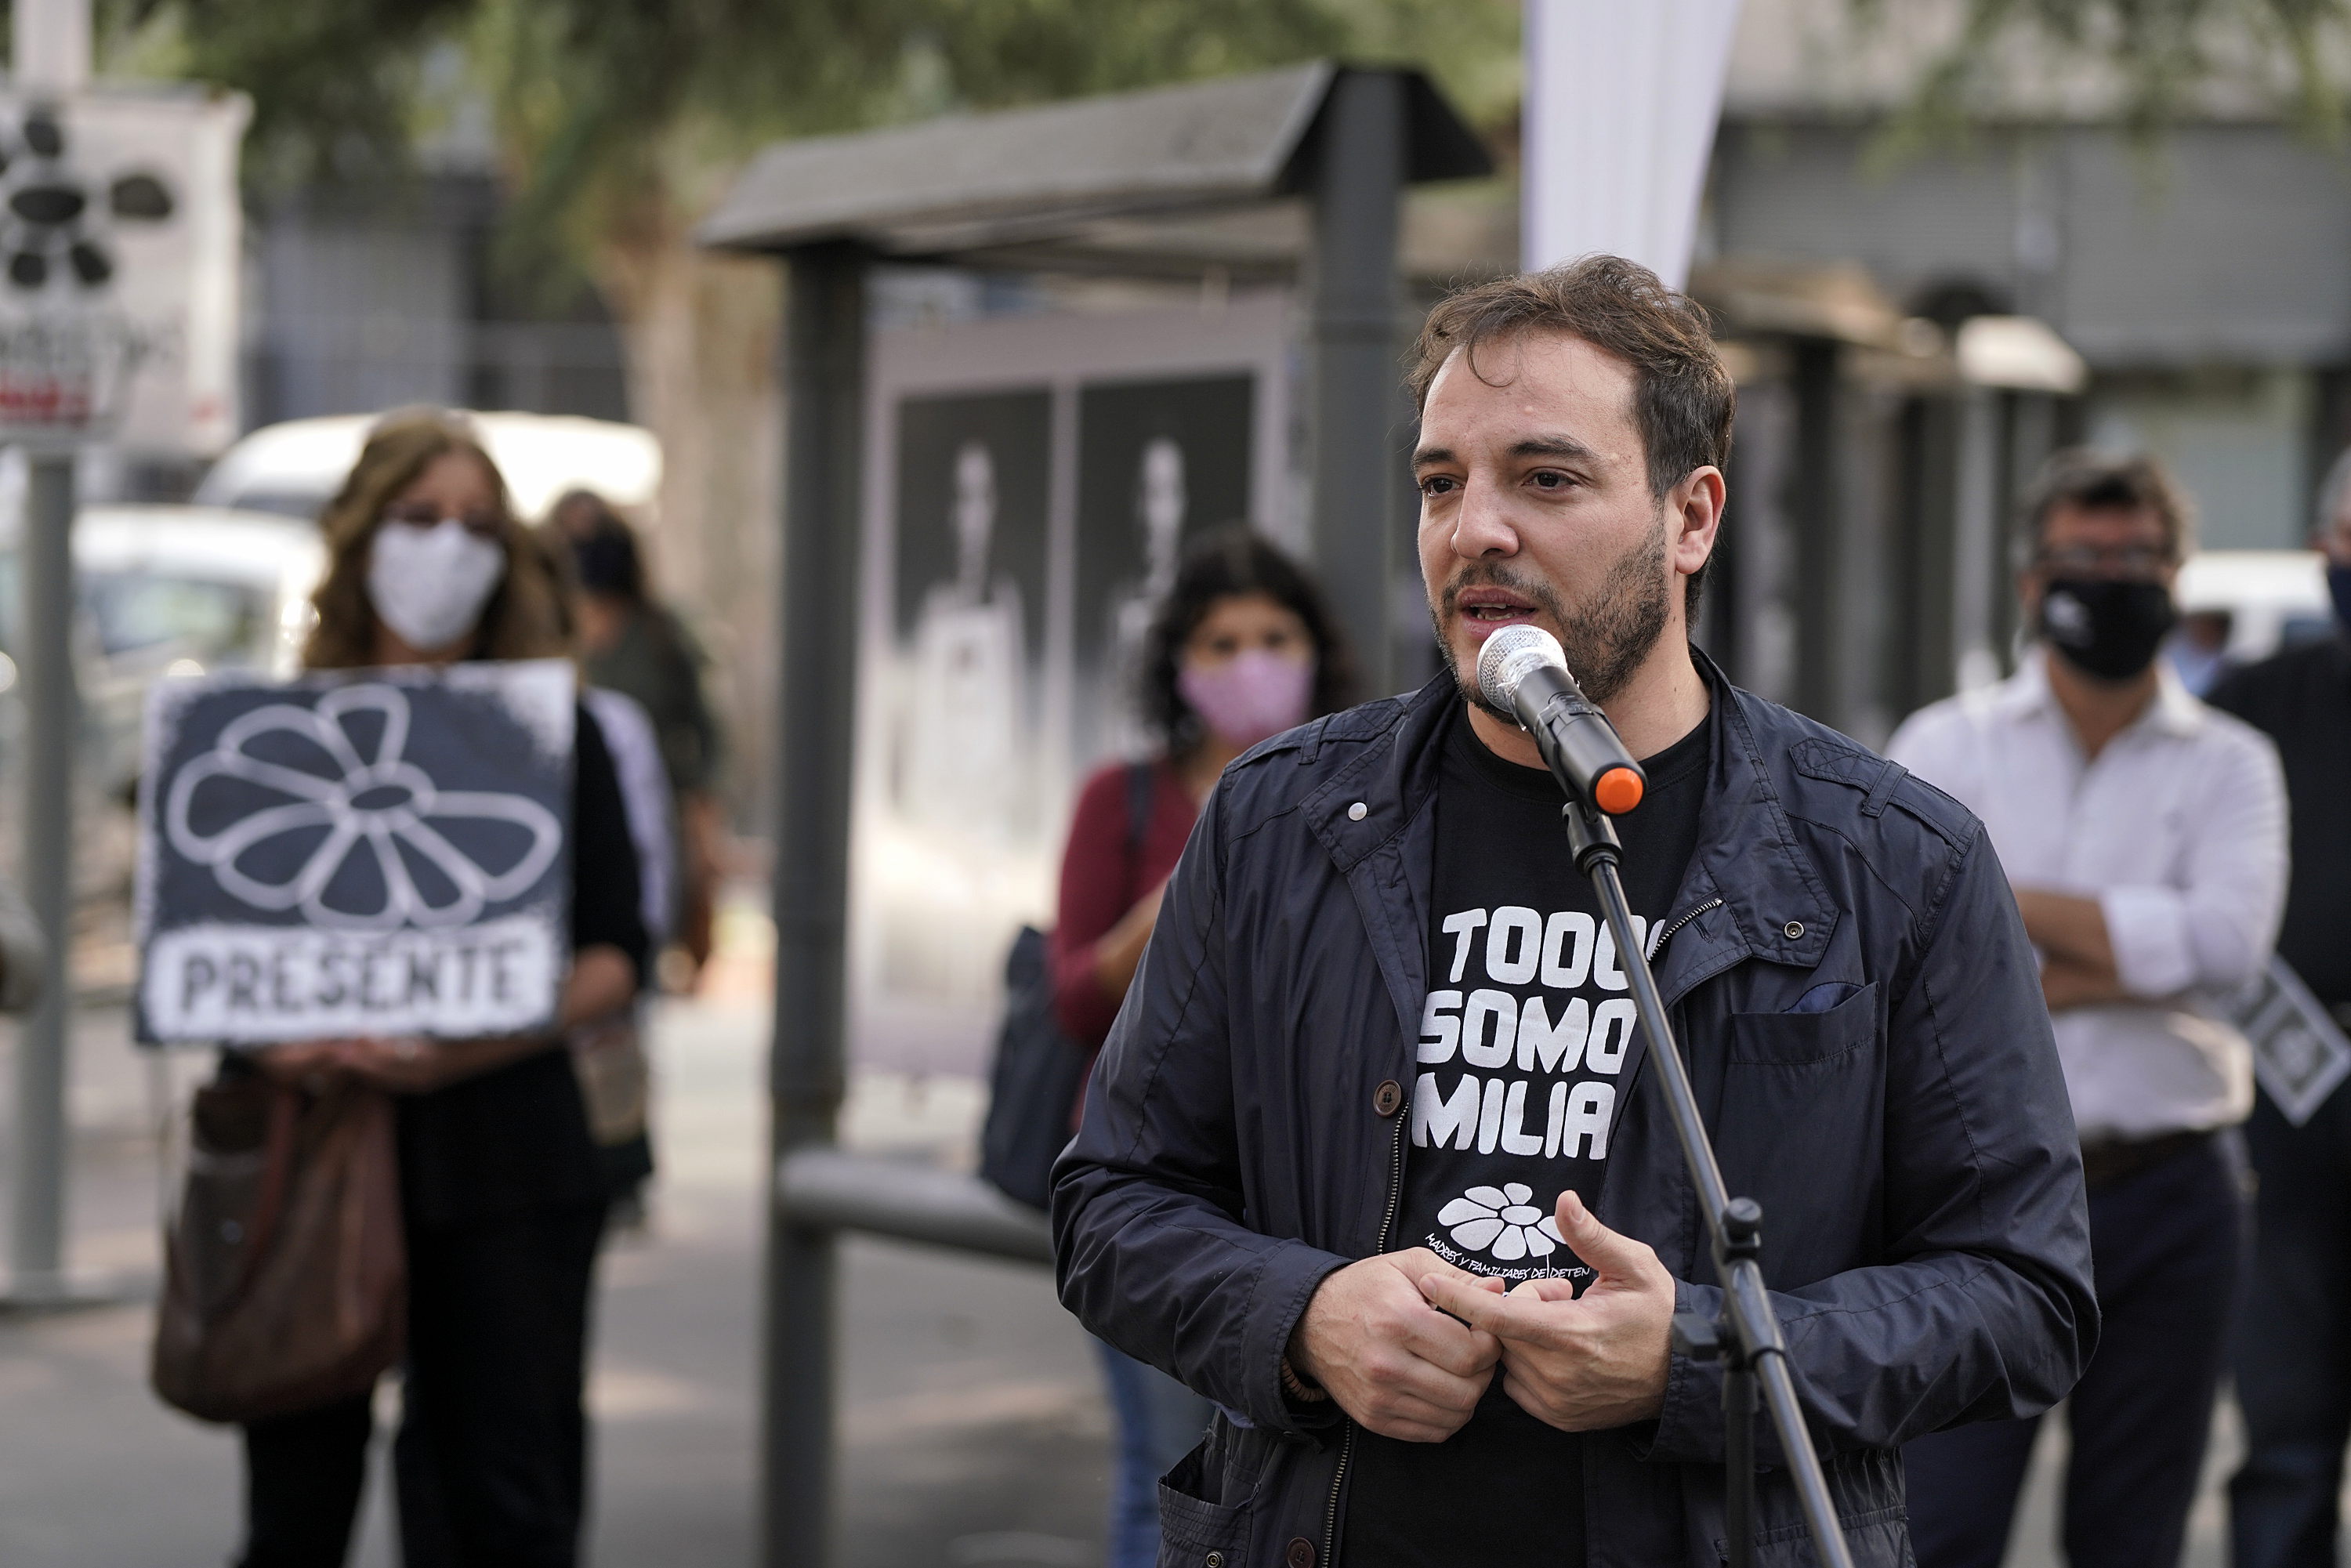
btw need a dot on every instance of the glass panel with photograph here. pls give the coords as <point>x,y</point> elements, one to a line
<point>967,668</point>
<point>1158,461</point>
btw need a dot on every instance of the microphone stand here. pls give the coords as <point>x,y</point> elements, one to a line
<point>1746,1337</point>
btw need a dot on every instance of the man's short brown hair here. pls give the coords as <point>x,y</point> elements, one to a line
<point>1683,396</point>
<point>2100,481</point>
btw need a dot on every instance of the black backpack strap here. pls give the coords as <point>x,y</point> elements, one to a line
<point>1140,779</point>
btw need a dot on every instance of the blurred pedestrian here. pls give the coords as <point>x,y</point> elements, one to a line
<point>632,645</point>
<point>501,1196</point>
<point>23,951</point>
<point>609,1052</point>
<point>2293,1360</point>
<point>2199,650</point>
<point>2144,835</point>
<point>1240,649</point>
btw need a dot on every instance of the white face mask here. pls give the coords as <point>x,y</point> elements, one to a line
<point>430,584</point>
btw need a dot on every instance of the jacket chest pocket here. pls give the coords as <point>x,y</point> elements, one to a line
<point>1791,1080</point>
<point>1812,1039</point>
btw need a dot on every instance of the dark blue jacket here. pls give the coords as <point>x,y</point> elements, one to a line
<point>1912,1146</point>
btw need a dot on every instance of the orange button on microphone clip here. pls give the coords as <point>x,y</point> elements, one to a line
<point>1617,791</point>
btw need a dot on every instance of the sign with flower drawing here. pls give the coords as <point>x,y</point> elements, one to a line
<point>376,853</point>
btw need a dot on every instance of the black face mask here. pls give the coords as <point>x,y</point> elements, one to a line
<point>2110,630</point>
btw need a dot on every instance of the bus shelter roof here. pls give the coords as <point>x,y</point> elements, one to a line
<point>1165,179</point>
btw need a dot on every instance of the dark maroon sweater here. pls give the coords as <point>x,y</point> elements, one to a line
<point>1100,881</point>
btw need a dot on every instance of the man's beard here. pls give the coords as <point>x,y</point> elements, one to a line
<point>1606,639</point>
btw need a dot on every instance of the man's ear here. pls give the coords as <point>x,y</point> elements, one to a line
<point>1695,507</point>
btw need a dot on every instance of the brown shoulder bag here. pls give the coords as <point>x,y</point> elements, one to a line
<point>286,1277</point>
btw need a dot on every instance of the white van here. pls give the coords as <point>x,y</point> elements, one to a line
<point>294,469</point>
<point>169,590</point>
<point>2273,599</point>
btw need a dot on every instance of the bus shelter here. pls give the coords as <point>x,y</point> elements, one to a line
<point>1295,176</point>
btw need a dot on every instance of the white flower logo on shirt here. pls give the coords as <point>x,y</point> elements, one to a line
<point>1503,1220</point>
<point>284,769</point>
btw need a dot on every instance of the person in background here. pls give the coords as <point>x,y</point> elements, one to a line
<point>2199,650</point>
<point>1240,649</point>
<point>2293,1353</point>
<point>633,645</point>
<point>23,951</point>
<point>501,1196</point>
<point>609,1052</point>
<point>2145,837</point>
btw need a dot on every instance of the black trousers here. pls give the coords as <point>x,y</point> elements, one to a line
<point>2167,1245</point>
<point>491,1459</point>
<point>2293,1353</point>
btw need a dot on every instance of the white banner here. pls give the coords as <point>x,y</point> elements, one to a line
<point>1621,105</point>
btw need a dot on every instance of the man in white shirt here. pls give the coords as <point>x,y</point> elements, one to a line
<point>2145,836</point>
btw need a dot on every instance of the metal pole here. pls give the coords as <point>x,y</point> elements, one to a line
<point>1358,179</point>
<point>823,377</point>
<point>1974,543</point>
<point>1739,1456</point>
<point>1748,1333</point>
<point>45,667</point>
<point>1818,514</point>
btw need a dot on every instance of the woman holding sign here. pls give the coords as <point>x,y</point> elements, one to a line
<point>502,1196</point>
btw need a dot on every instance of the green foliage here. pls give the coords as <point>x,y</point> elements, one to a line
<point>333,81</point>
<point>611,115</point>
<point>2158,59</point>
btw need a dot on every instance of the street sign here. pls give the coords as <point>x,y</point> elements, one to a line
<point>120,235</point>
<point>371,854</point>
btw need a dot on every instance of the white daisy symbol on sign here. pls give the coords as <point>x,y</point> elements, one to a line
<point>304,811</point>
<point>1501,1220</point>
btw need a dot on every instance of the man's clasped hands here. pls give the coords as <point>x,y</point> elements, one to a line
<point>1407,1343</point>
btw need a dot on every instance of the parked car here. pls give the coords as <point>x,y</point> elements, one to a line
<point>2272,599</point>
<point>169,590</point>
<point>295,468</point>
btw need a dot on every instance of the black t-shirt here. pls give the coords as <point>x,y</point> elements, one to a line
<point>1523,1042</point>
<point>2302,700</point>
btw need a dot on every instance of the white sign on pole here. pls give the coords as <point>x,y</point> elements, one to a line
<point>120,239</point>
<point>1621,105</point>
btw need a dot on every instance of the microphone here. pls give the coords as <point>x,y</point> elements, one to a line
<point>1522,671</point>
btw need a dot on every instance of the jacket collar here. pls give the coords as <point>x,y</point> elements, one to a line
<point>1774,904</point>
<point>1390,779</point>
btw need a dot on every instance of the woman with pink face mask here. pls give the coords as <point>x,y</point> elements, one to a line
<point>1240,650</point>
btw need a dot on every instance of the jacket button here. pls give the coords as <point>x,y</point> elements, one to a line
<point>1301,1553</point>
<point>1214,1560</point>
<point>1387,1097</point>
<point>1355,813</point>
<point>1793,929</point>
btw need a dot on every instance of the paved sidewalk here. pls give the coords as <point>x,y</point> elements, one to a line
<point>973,1430</point>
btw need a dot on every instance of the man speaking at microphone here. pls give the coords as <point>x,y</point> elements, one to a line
<point>1369,1159</point>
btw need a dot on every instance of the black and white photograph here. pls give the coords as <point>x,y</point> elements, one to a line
<point>970,606</point>
<point>1158,461</point>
